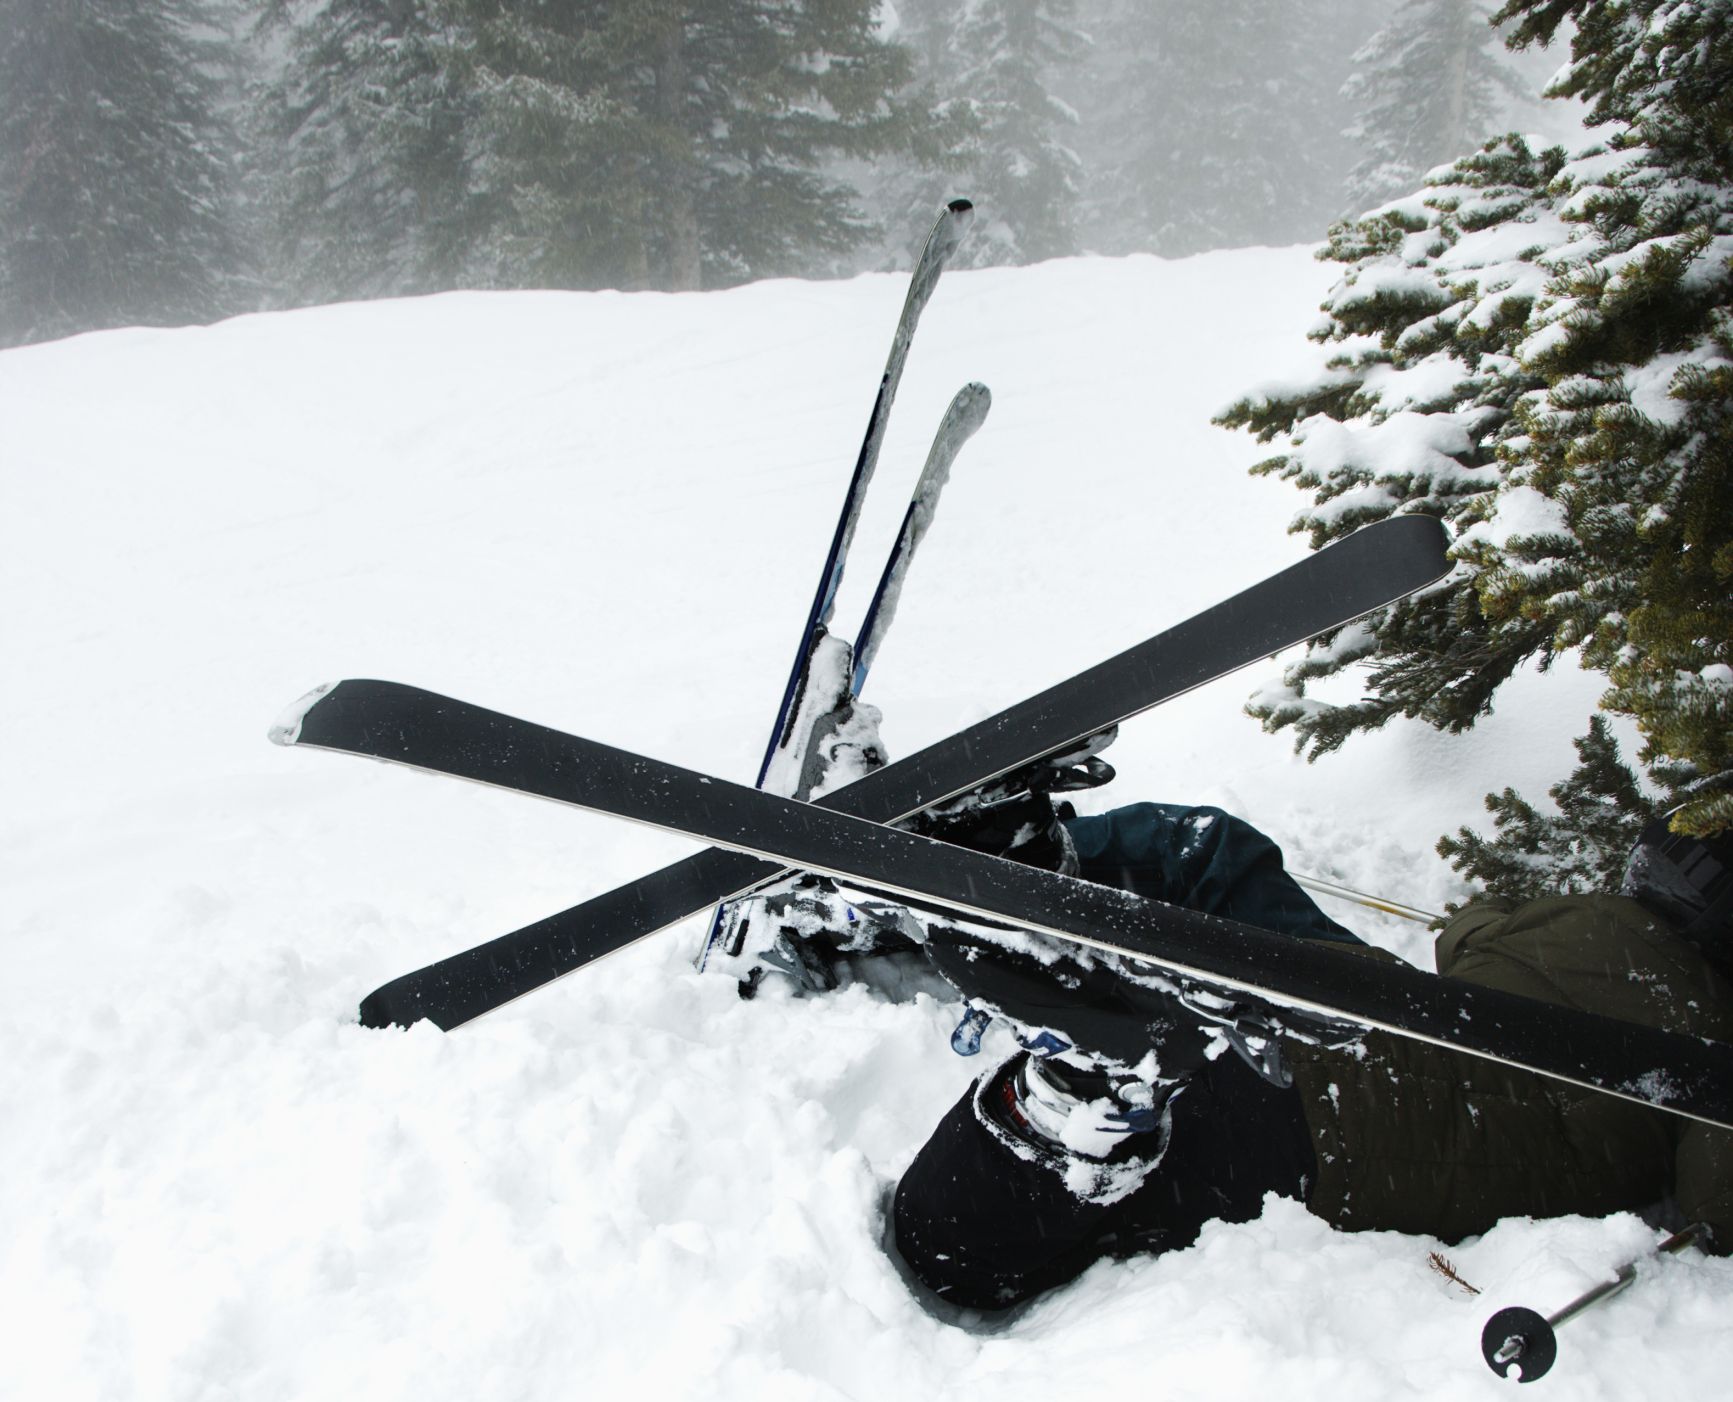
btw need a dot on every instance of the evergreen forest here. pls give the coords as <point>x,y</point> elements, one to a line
<point>172,161</point>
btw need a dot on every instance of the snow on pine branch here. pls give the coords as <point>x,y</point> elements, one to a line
<point>1451,368</point>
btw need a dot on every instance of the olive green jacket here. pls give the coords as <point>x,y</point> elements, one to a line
<point>1413,1138</point>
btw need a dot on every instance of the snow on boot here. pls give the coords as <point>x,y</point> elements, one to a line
<point>1103,1131</point>
<point>1024,827</point>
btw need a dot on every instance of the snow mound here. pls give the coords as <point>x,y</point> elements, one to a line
<point>604,512</point>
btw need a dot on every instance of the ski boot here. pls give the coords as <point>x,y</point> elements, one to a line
<point>815,933</point>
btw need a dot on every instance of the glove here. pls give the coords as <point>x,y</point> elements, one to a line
<point>1015,816</point>
<point>1025,827</point>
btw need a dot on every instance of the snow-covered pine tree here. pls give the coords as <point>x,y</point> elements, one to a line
<point>520,143</point>
<point>1003,58</point>
<point>985,75</point>
<point>1416,389</point>
<point>1213,123</point>
<point>1581,848</point>
<point>1538,347</point>
<point>114,164</point>
<point>1427,87</point>
<point>556,147</point>
<point>742,101</point>
<point>364,177</point>
<point>1632,442</point>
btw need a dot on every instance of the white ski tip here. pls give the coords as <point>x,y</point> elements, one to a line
<point>286,730</point>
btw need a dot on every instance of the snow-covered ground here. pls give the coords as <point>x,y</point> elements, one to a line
<point>604,512</point>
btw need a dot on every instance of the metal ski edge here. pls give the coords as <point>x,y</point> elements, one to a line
<point>1695,1079</point>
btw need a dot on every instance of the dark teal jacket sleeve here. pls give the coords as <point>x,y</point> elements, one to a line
<point>1202,858</point>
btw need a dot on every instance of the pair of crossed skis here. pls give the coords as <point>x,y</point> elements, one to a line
<point>764,837</point>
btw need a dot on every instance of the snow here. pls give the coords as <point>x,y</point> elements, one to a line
<point>1401,445</point>
<point>1426,381</point>
<point>604,512</point>
<point>1599,164</point>
<point>286,729</point>
<point>1519,513</point>
<point>1650,386</point>
<point>1709,267</point>
<point>1378,281</point>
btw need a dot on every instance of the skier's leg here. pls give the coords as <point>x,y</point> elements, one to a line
<point>1202,858</point>
<point>1012,1195</point>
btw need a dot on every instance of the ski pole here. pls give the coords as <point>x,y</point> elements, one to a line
<point>1524,1337</point>
<point>1348,893</point>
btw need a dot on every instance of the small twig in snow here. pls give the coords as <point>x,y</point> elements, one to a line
<point>1448,1271</point>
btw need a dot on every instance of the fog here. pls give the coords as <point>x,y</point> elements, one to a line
<point>175,161</point>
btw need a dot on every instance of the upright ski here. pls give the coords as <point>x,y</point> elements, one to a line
<point>967,412</point>
<point>837,740</point>
<point>1686,1075</point>
<point>1373,567</point>
<point>953,222</point>
<point>812,697</point>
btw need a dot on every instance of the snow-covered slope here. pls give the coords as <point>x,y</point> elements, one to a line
<point>604,512</point>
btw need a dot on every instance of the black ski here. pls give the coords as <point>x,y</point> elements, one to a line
<point>1687,1075</point>
<point>1371,568</point>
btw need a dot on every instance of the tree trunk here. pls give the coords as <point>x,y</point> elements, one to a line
<point>1454,139</point>
<point>680,211</point>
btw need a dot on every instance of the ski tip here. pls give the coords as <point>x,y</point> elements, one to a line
<point>378,1010</point>
<point>973,400</point>
<point>286,729</point>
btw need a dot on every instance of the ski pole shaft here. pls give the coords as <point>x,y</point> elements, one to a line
<point>1526,1338</point>
<point>1348,893</point>
<point>1625,1275</point>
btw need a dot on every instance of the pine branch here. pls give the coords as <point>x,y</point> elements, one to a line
<point>1448,1271</point>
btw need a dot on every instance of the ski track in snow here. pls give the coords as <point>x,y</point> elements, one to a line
<point>603,512</point>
